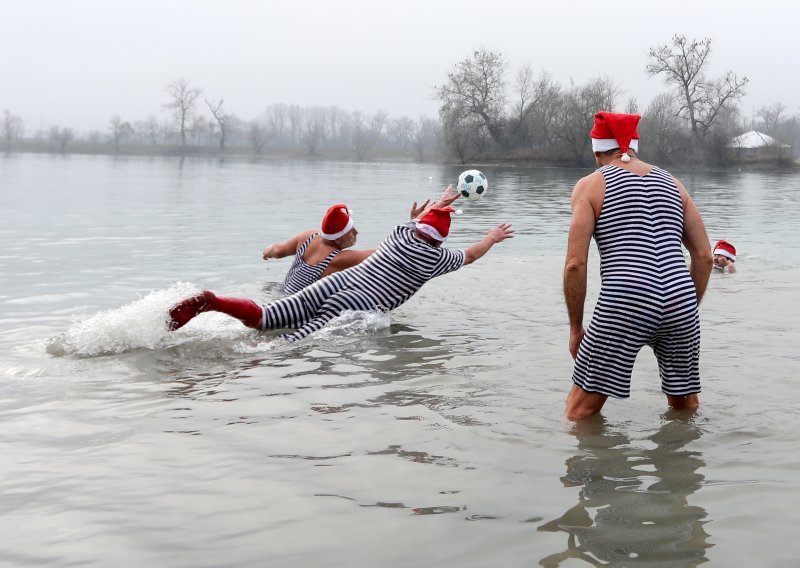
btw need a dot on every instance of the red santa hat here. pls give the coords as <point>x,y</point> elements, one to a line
<point>614,130</point>
<point>725,249</point>
<point>436,222</point>
<point>336,222</point>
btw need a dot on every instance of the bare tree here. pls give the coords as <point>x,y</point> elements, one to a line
<point>464,137</point>
<point>476,89</point>
<point>576,114</point>
<point>542,119</point>
<point>400,132</point>
<point>222,118</point>
<point>660,127</point>
<point>531,122</point>
<point>522,106</point>
<point>360,137</point>
<point>147,131</point>
<point>314,131</point>
<point>295,122</point>
<point>256,135</point>
<point>683,65</point>
<point>182,105</point>
<point>120,131</point>
<point>334,118</point>
<point>425,134</point>
<point>276,117</point>
<point>771,116</point>
<point>365,132</point>
<point>61,137</point>
<point>12,127</point>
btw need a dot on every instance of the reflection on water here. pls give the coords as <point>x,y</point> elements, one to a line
<point>633,505</point>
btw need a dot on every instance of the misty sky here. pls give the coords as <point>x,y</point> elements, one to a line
<point>77,63</point>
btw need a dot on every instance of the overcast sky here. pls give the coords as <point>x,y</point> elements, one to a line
<point>77,63</point>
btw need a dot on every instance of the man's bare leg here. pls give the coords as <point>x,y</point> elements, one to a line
<point>683,402</point>
<point>581,404</point>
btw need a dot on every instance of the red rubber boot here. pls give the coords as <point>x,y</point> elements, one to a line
<point>246,311</point>
<point>185,311</point>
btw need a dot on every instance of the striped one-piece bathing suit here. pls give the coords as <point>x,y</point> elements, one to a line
<point>647,296</point>
<point>384,281</point>
<point>302,274</point>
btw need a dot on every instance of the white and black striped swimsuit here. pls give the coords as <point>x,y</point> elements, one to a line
<point>302,274</point>
<point>385,280</point>
<point>647,296</point>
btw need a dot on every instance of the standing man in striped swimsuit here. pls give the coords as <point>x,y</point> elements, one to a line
<point>408,258</point>
<point>318,253</point>
<point>639,215</point>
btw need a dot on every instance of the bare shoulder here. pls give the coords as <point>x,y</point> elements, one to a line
<point>591,189</point>
<point>306,234</point>
<point>348,258</point>
<point>589,183</point>
<point>684,194</point>
<point>302,237</point>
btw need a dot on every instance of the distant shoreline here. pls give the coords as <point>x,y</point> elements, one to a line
<point>80,147</point>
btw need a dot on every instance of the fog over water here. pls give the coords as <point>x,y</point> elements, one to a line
<point>79,63</point>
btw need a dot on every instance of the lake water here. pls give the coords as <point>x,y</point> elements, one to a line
<point>433,437</point>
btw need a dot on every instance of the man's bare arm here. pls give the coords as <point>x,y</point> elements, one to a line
<point>288,247</point>
<point>695,239</point>
<point>584,218</point>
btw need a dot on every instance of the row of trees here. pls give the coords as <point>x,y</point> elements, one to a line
<point>197,124</point>
<point>695,117</point>
<point>482,115</point>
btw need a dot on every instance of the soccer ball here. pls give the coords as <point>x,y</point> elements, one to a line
<point>472,184</point>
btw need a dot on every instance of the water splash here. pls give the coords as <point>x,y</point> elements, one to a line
<point>138,325</point>
<point>350,323</point>
<point>142,324</point>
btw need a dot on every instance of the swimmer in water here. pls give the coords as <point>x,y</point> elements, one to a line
<point>724,257</point>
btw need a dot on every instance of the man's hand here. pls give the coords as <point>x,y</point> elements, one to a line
<point>575,338</point>
<point>268,252</point>
<point>501,232</point>
<point>448,197</point>
<point>417,211</point>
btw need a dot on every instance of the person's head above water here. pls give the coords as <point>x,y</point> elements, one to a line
<point>726,249</point>
<point>435,224</point>
<point>615,132</point>
<point>724,254</point>
<point>337,226</point>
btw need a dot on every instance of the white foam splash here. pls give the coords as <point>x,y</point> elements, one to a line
<point>142,324</point>
<point>138,325</point>
<point>350,323</point>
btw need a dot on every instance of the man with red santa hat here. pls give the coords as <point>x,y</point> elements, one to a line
<point>319,252</point>
<point>724,256</point>
<point>639,216</point>
<point>408,258</point>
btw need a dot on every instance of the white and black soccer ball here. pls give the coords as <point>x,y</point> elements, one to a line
<point>472,184</point>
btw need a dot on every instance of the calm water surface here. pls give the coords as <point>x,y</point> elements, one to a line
<point>433,437</point>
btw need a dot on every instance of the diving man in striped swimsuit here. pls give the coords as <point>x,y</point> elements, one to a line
<point>408,258</point>
<point>637,213</point>
<point>318,253</point>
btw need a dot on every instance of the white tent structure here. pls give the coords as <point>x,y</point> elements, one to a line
<point>755,140</point>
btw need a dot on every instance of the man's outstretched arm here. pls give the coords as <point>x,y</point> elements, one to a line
<point>498,234</point>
